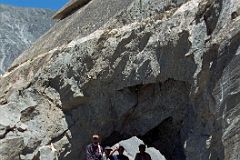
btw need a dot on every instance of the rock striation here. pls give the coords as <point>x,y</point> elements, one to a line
<point>19,28</point>
<point>164,71</point>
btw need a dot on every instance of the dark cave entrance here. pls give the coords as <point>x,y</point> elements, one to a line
<point>166,138</point>
<point>157,113</point>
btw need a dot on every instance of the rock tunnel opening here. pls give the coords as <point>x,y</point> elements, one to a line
<point>131,146</point>
<point>157,113</point>
<point>167,136</point>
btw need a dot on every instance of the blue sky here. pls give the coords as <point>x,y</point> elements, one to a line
<point>51,4</point>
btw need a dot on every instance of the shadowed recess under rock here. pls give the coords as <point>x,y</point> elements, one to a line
<point>160,103</point>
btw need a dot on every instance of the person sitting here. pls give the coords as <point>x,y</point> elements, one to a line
<point>142,155</point>
<point>94,151</point>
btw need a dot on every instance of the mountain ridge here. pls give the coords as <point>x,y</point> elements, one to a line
<point>20,27</point>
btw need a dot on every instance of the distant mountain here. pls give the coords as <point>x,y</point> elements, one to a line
<point>19,28</point>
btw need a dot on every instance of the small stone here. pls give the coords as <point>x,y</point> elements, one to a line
<point>21,127</point>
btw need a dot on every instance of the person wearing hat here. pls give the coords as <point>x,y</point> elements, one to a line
<point>142,155</point>
<point>108,154</point>
<point>120,155</point>
<point>94,151</point>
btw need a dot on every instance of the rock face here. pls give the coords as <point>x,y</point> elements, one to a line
<point>164,71</point>
<point>19,28</point>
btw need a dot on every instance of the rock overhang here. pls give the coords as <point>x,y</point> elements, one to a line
<point>69,8</point>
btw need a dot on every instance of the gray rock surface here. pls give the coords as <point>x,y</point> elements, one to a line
<point>19,28</point>
<point>48,153</point>
<point>165,71</point>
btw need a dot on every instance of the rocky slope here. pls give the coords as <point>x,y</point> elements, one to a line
<point>19,28</point>
<point>165,71</point>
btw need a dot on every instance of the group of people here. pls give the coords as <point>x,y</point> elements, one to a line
<point>94,151</point>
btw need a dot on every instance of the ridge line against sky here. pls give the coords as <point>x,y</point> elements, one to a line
<point>49,4</point>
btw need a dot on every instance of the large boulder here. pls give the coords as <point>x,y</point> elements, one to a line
<point>165,71</point>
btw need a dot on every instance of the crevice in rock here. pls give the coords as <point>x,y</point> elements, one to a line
<point>6,131</point>
<point>122,46</point>
<point>37,156</point>
<point>31,149</point>
<point>55,82</point>
<point>135,90</point>
<point>58,137</point>
<point>225,55</point>
<point>211,16</point>
<point>28,114</point>
<point>210,13</point>
<point>143,41</point>
<point>234,15</point>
